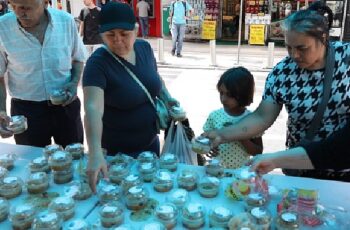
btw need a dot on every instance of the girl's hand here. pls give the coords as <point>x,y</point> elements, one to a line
<point>262,163</point>
<point>96,164</point>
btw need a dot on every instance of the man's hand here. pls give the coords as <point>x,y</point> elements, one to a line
<point>71,91</point>
<point>4,121</point>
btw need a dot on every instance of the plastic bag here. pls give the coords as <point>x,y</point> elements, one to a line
<point>177,143</point>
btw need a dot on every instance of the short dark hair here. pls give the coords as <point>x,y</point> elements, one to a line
<point>240,84</point>
<point>315,21</point>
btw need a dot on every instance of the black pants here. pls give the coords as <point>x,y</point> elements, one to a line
<point>46,121</point>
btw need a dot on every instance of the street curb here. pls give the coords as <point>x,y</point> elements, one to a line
<point>172,66</point>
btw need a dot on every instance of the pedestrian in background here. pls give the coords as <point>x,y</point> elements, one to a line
<point>180,11</point>
<point>88,28</point>
<point>236,89</point>
<point>41,52</point>
<point>142,8</point>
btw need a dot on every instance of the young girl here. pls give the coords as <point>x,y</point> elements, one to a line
<point>236,88</point>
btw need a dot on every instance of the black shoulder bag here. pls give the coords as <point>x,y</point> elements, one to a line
<point>316,121</point>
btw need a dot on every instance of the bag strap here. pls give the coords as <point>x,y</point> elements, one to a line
<point>327,85</point>
<point>131,73</point>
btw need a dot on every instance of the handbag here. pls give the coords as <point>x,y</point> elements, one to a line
<point>158,104</point>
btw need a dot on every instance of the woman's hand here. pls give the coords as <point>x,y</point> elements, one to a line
<point>215,138</point>
<point>96,164</point>
<point>263,163</point>
<point>172,102</point>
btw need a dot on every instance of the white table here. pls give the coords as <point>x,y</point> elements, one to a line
<point>24,155</point>
<point>331,193</point>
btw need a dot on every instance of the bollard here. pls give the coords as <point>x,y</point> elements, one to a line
<point>161,50</point>
<point>270,56</point>
<point>213,52</point>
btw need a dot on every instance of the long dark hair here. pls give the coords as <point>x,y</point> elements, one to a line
<point>315,21</point>
<point>240,84</point>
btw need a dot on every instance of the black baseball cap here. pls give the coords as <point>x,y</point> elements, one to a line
<point>116,15</point>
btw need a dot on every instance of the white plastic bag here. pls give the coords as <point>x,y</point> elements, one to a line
<point>178,144</point>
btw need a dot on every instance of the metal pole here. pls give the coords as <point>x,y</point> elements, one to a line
<point>345,14</point>
<point>239,31</point>
<point>270,56</point>
<point>213,52</point>
<point>161,50</point>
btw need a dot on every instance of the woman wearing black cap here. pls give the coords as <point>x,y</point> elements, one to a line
<point>119,115</point>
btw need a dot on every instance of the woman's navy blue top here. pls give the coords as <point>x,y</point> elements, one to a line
<point>129,119</point>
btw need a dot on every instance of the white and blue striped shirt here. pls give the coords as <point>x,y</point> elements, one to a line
<point>34,69</point>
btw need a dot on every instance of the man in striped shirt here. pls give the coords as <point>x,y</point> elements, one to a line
<point>41,52</point>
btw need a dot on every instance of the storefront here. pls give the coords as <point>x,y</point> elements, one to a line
<point>346,20</point>
<point>154,21</point>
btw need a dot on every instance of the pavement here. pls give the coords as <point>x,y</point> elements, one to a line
<point>197,56</point>
<point>192,80</point>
